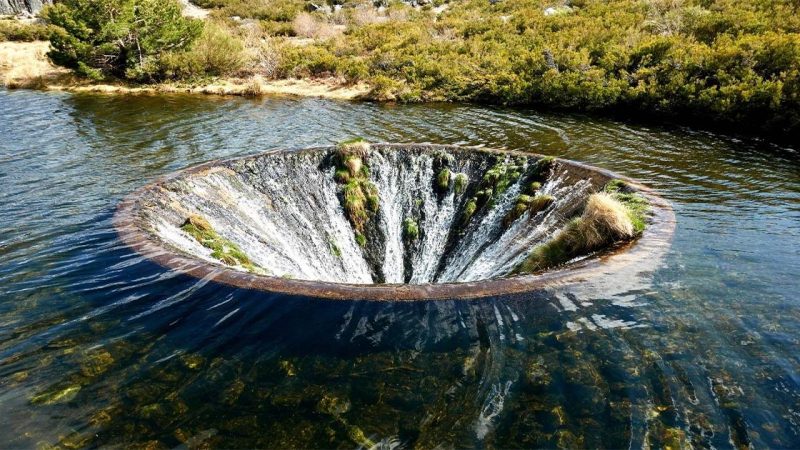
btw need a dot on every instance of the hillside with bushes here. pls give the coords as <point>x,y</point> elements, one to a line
<point>717,63</point>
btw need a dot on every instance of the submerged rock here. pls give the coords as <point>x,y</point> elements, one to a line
<point>56,395</point>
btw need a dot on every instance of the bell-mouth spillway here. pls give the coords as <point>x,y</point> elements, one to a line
<point>382,221</point>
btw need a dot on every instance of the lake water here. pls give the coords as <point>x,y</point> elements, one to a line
<point>99,346</point>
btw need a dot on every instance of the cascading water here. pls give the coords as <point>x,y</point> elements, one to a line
<point>435,214</point>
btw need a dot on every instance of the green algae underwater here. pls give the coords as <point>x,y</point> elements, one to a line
<point>100,347</point>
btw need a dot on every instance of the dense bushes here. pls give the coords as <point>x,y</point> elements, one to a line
<point>216,52</point>
<point>13,30</point>
<point>716,61</point>
<point>124,38</point>
<point>719,61</point>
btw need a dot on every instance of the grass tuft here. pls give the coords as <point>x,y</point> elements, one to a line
<point>410,230</point>
<point>222,249</point>
<point>460,183</point>
<point>361,199</point>
<point>443,180</point>
<point>524,203</point>
<point>605,220</point>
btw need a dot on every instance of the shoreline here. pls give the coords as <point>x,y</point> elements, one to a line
<point>24,65</point>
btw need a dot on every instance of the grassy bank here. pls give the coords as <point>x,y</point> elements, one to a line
<point>709,63</point>
<point>24,65</point>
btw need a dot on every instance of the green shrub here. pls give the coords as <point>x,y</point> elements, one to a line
<point>725,62</point>
<point>126,38</point>
<point>217,52</point>
<point>14,30</point>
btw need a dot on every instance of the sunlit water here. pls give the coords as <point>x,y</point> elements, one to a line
<point>99,346</point>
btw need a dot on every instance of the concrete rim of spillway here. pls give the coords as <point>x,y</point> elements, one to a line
<point>652,244</point>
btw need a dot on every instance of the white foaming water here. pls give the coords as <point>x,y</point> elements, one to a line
<point>284,210</point>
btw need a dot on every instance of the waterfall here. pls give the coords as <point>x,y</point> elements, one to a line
<point>285,211</point>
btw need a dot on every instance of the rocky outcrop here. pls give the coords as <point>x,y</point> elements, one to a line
<point>22,7</point>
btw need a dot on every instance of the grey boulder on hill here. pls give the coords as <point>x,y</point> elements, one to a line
<point>22,7</point>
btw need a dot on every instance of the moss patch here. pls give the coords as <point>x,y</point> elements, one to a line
<point>469,210</point>
<point>221,249</point>
<point>534,204</point>
<point>410,230</point>
<point>460,183</point>
<point>443,180</point>
<point>334,248</point>
<point>360,196</point>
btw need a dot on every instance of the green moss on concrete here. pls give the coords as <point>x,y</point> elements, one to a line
<point>222,249</point>
<point>637,206</point>
<point>334,248</point>
<point>460,183</point>
<point>361,240</point>
<point>410,230</point>
<point>502,175</point>
<point>494,183</point>
<point>524,203</point>
<point>469,210</point>
<point>542,167</point>
<point>443,180</point>
<point>360,197</point>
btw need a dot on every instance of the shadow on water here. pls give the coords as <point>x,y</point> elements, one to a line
<point>99,346</point>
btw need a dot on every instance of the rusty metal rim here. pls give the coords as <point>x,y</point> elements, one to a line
<point>654,241</point>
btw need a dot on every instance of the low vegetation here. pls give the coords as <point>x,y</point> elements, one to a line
<point>443,180</point>
<point>532,201</point>
<point>715,62</point>
<point>531,204</point>
<point>636,205</point>
<point>410,230</point>
<point>615,215</point>
<point>222,249</point>
<point>494,183</point>
<point>460,183</point>
<point>15,30</point>
<point>359,195</point>
<point>711,62</point>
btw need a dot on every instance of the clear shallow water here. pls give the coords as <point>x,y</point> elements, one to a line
<point>100,347</point>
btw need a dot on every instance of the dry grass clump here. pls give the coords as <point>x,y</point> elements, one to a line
<point>261,53</point>
<point>604,221</point>
<point>357,146</point>
<point>367,15</point>
<point>24,65</point>
<point>253,88</point>
<point>307,26</point>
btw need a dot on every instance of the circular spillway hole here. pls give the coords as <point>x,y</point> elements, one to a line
<point>389,221</point>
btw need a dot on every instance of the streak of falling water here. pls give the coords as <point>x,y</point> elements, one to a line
<point>283,210</point>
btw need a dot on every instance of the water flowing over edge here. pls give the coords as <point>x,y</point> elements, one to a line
<point>286,209</point>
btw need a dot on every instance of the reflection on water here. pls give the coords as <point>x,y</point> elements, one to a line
<point>100,347</point>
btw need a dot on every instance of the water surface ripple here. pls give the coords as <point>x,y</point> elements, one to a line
<point>100,347</point>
